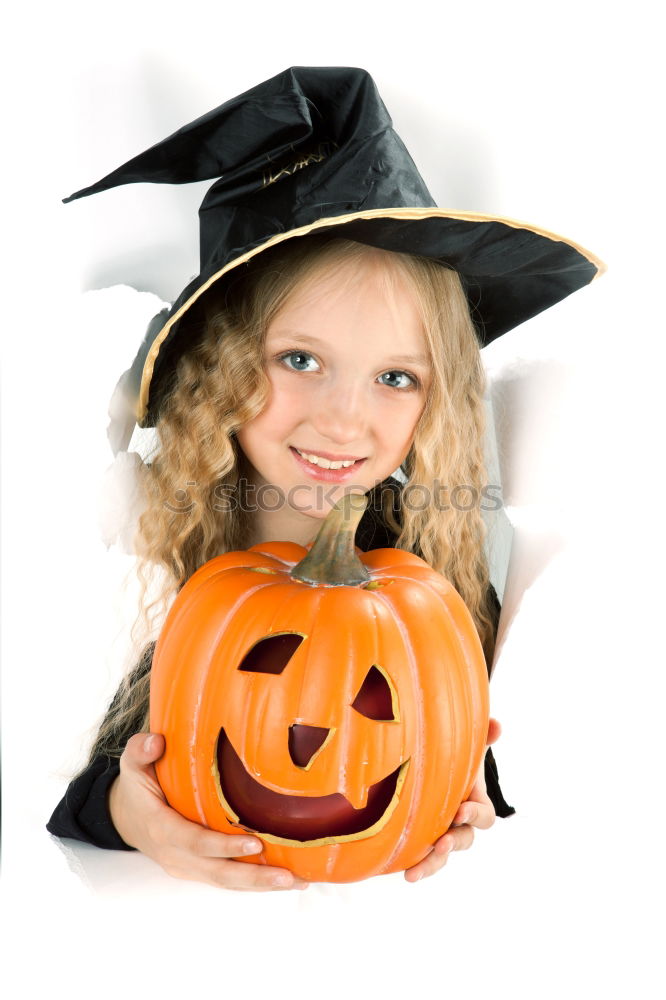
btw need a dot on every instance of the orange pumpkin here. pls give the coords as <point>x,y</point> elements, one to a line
<point>332,702</point>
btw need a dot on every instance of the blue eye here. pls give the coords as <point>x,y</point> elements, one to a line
<point>297,361</point>
<point>297,354</point>
<point>412,383</point>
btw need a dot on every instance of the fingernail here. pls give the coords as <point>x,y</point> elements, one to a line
<point>301,885</point>
<point>282,880</point>
<point>251,847</point>
<point>147,744</point>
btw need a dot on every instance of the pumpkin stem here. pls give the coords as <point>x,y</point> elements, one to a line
<point>332,559</point>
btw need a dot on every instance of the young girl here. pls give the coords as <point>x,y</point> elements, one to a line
<point>298,367</point>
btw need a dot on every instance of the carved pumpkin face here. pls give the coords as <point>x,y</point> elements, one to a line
<point>342,724</point>
<point>293,780</point>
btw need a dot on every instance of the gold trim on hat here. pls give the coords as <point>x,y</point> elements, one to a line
<point>338,220</point>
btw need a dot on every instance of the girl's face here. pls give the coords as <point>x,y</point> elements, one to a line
<point>349,371</point>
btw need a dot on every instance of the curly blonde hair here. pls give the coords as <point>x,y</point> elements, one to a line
<point>219,384</point>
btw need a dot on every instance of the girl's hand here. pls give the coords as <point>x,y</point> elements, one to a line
<point>144,820</point>
<point>476,811</point>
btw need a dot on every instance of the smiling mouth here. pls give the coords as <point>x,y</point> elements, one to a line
<point>300,820</point>
<point>316,457</point>
<point>320,471</point>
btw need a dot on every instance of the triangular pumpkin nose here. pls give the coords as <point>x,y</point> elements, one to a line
<point>304,742</point>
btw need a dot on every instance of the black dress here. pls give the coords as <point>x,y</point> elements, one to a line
<point>83,812</point>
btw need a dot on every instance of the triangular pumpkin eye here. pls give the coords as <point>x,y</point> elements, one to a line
<point>374,700</point>
<point>272,654</point>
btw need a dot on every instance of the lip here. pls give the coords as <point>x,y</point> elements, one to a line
<point>327,475</point>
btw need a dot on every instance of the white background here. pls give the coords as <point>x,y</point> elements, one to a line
<point>543,112</point>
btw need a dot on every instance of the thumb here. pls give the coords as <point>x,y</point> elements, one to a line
<point>143,749</point>
<point>153,747</point>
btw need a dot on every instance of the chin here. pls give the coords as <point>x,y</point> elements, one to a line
<point>322,498</point>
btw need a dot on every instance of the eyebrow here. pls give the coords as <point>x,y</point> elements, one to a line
<point>403,359</point>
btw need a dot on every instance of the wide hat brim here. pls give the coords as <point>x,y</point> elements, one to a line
<point>313,151</point>
<point>510,271</point>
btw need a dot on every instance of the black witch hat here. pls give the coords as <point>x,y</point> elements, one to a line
<point>312,151</point>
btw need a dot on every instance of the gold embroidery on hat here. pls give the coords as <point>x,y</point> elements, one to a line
<point>304,160</point>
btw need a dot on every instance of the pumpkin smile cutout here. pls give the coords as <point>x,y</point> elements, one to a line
<point>284,819</point>
<point>333,703</point>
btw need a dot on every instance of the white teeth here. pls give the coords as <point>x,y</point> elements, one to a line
<point>324,462</point>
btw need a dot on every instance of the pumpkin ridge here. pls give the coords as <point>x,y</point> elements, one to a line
<point>211,661</point>
<point>456,690</point>
<point>266,549</point>
<point>177,624</point>
<point>312,644</point>
<point>366,605</point>
<point>289,597</point>
<point>462,689</point>
<point>417,743</point>
<point>209,589</point>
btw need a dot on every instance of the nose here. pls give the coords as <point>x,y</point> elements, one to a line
<point>340,414</point>
<point>304,742</point>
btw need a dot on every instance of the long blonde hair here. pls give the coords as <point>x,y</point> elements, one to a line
<point>219,384</point>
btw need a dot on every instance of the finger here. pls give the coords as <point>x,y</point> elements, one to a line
<point>454,840</point>
<point>432,863</point>
<point>210,844</point>
<point>494,732</point>
<point>478,814</point>
<point>235,875</point>
<point>175,831</point>
<point>261,877</point>
<point>459,839</point>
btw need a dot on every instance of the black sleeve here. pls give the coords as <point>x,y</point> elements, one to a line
<point>83,812</point>
<point>502,808</point>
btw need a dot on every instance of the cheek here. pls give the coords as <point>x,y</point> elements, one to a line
<point>287,396</point>
<point>398,423</point>
<point>279,412</point>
